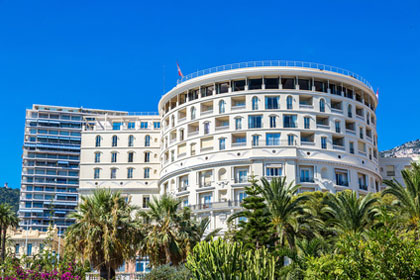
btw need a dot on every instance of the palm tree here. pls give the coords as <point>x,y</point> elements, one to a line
<point>8,219</point>
<point>407,199</point>
<point>283,206</point>
<point>105,232</point>
<point>348,213</point>
<point>171,232</point>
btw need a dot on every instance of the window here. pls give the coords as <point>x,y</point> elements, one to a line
<point>222,106</point>
<point>222,143</point>
<point>146,200</point>
<point>255,140</point>
<point>238,123</point>
<point>254,84</point>
<point>273,171</point>
<point>322,105</point>
<point>97,173</point>
<point>130,173</point>
<point>306,122</point>
<point>147,173</point>
<point>156,125</point>
<point>323,142</point>
<point>351,145</point>
<point>131,125</point>
<point>147,141</point>
<point>29,249</point>
<point>130,156</point>
<point>273,139</point>
<point>193,113</point>
<point>361,132</point>
<point>271,83</point>
<point>17,249</point>
<point>273,121</point>
<point>130,141</point>
<point>241,175</point>
<point>116,126</point>
<point>114,141</point>
<point>97,157</point>
<point>254,103</point>
<point>289,102</point>
<point>337,127</point>
<point>147,157</point>
<point>255,121</point>
<point>98,141</point>
<point>349,111</point>
<point>341,177</point>
<point>205,178</point>
<point>271,102</point>
<point>113,157</point>
<point>113,173</point>
<point>306,174</point>
<point>290,139</point>
<point>241,196</point>
<point>183,183</point>
<point>289,121</point>
<point>143,125</point>
<point>206,128</point>
<point>362,181</point>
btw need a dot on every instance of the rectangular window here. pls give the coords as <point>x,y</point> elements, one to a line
<point>323,142</point>
<point>289,121</point>
<point>129,173</point>
<point>337,127</point>
<point>147,173</point>
<point>341,177</point>
<point>131,125</point>
<point>17,247</point>
<point>306,174</point>
<point>255,140</point>
<point>222,143</point>
<point>290,140</point>
<point>271,102</point>
<point>241,175</point>
<point>254,121</point>
<point>273,139</point>
<point>238,123</point>
<point>361,132</point>
<point>97,157</point>
<point>130,157</point>
<point>147,157</point>
<point>143,125</point>
<point>146,200</point>
<point>205,178</point>
<point>306,121</point>
<point>116,126</point>
<point>351,144</point>
<point>273,171</point>
<point>29,249</point>
<point>362,181</point>
<point>156,125</point>
<point>272,121</point>
<point>113,173</point>
<point>113,157</point>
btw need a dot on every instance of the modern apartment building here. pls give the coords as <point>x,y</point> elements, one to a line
<point>313,123</point>
<point>50,164</point>
<point>121,153</point>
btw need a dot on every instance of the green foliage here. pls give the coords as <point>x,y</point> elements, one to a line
<point>219,259</point>
<point>8,219</point>
<point>10,196</point>
<point>256,230</point>
<point>167,272</point>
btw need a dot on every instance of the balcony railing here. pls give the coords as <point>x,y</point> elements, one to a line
<point>276,63</point>
<point>215,205</point>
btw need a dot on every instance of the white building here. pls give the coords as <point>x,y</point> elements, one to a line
<point>121,153</point>
<point>313,123</point>
<point>391,167</point>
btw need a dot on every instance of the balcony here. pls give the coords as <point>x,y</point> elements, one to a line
<point>390,173</point>
<point>193,133</point>
<point>238,144</point>
<point>307,143</point>
<point>222,127</point>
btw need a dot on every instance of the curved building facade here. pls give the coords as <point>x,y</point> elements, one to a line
<point>313,124</point>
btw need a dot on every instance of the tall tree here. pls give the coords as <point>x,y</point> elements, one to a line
<point>348,213</point>
<point>105,232</point>
<point>407,199</point>
<point>283,206</point>
<point>8,219</point>
<point>255,230</point>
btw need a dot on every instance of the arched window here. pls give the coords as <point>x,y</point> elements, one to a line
<point>130,141</point>
<point>193,113</point>
<point>349,111</point>
<point>98,141</point>
<point>322,105</point>
<point>114,141</point>
<point>289,102</point>
<point>254,103</point>
<point>147,140</point>
<point>238,123</point>
<point>221,106</point>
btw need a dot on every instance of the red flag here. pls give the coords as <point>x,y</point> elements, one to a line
<point>377,93</point>
<point>179,71</point>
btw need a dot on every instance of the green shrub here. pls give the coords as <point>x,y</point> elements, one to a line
<point>167,272</point>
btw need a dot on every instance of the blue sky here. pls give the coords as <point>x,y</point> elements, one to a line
<point>116,54</point>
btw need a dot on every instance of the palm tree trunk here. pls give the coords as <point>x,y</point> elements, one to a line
<point>1,242</point>
<point>3,247</point>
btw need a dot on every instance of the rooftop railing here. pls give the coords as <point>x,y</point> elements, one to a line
<point>275,63</point>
